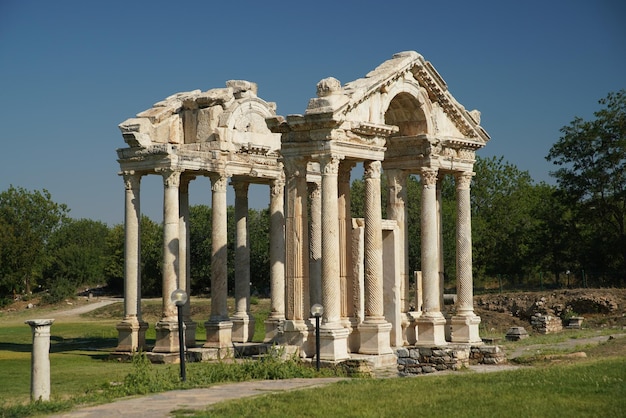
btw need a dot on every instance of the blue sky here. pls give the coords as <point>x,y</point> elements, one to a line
<point>71,71</point>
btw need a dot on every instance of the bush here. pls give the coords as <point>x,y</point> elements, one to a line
<point>60,290</point>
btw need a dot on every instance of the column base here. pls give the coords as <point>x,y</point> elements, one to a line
<point>296,333</point>
<point>375,336</point>
<point>190,333</point>
<point>166,337</point>
<point>465,329</point>
<point>432,331</point>
<point>272,329</point>
<point>243,328</point>
<point>409,327</point>
<point>218,334</point>
<point>131,335</point>
<point>334,343</point>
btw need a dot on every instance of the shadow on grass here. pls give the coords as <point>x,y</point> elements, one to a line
<point>101,346</point>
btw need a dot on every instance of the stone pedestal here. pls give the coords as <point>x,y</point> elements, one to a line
<point>465,329</point>
<point>190,333</point>
<point>409,327</point>
<point>431,331</point>
<point>131,335</point>
<point>166,336</point>
<point>334,344</point>
<point>243,328</point>
<point>272,326</point>
<point>40,359</point>
<point>375,337</point>
<point>296,332</point>
<point>218,334</point>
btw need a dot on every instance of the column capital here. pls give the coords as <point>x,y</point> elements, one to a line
<point>132,179</point>
<point>345,170</point>
<point>219,182</point>
<point>315,189</point>
<point>171,176</point>
<point>464,179</point>
<point>372,169</point>
<point>429,177</point>
<point>295,167</point>
<point>329,163</point>
<point>240,186</point>
<point>277,188</point>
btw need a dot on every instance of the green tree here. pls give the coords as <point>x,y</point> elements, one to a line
<point>78,253</point>
<point>591,156</point>
<point>27,221</point>
<point>151,257</point>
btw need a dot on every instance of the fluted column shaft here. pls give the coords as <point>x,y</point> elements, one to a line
<point>171,241</point>
<point>396,210</point>
<point>430,244</point>
<point>242,251</point>
<point>329,165</point>
<point>465,303</point>
<point>296,233</point>
<point>373,243</point>
<point>345,240</point>
<point>277,249</point>
<point>219,234</point>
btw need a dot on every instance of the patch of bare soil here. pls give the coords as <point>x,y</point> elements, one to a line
<point>601,308</point>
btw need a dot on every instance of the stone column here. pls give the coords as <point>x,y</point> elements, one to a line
<point>243,322</point>
<point>432,322</point>
<point>440,242</point>
<point>375,329</point>
<point>464,322</point>
<point>333,334</point>
<point>219,327</point>
<point>397,210</point>
<point>40,359</point>
<point>315,244</point>
<point>184,264</point>
<point>167,327</point>
<point>132,330</point>
<point>277,260</point>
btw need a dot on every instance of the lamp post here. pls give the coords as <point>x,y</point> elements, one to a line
<point>179,298</point>
<point>317,310</point>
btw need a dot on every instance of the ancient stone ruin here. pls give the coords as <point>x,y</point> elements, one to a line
<point>399,119</point>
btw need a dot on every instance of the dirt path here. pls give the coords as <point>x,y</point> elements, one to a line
<point>88,308</point>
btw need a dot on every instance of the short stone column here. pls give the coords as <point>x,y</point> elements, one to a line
<point>40,359</point>
<point>219,327</point>
<point>277,260</point>
<point>431,324</point>
<point>464,322</point>
<point>333,335</point>
<point>374,330</point>
<point>243,322</point>
<point>132,330</point>
<point>167,327</point>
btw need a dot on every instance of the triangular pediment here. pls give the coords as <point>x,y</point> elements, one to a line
<point>405,68</point>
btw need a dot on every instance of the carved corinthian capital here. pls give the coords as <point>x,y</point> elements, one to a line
<point>372,169</point>
<point>463,180</point>
<point>132,180</point>
<point>429,177</point>
<point>329,164</point>
<point>171,177</point>
<point>219,183</point>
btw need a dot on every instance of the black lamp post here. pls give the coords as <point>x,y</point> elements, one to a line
<point>179,298</point>
<point>317,310</point>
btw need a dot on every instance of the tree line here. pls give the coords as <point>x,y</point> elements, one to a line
<point>522,230</point>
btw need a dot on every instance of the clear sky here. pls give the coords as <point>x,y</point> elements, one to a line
<point>71,71</point>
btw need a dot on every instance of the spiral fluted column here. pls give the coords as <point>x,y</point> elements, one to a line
<point>277,259</point>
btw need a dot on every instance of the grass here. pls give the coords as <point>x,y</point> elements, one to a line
<point>81,374</point>
<point>591,388</point>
